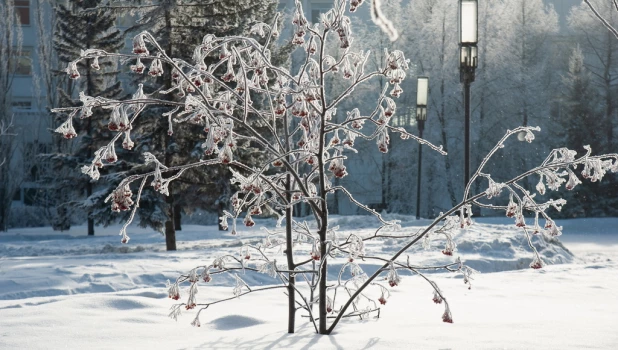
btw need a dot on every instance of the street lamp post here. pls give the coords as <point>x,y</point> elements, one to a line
<point>468,61</point>
<point>422,88</point>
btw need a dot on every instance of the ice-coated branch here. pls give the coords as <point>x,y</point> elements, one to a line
<point>601,18</point>
<point>529,137</point>
<point>394,224</point>
<point>594,168</point>
<point>384,23</point>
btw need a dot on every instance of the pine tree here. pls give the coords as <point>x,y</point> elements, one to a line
<point>582,123</point>
<point>168,22</point>
<point>600,58</point>
<point>77,30</point>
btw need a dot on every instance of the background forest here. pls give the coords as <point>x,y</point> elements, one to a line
<point>534,69</point>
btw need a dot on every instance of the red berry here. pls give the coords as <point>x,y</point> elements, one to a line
<point>112,126</point>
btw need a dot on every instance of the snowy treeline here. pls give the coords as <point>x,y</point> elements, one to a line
<point>526,76</point>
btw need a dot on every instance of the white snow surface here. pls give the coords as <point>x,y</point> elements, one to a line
<point>66,290</point>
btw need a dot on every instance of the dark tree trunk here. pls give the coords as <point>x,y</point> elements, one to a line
<point>170,232</point>
<point>289,248</point>
<point>89,91</point>
<point>323,326</point>
<point>177,217</point>
<point>289,252</point>
<point>170,235</point>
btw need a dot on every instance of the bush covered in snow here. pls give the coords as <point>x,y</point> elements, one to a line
<point>243,99</point>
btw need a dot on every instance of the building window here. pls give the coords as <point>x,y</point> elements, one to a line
<point>317,9</point>
<point>22,10</point>
<point>22,62</point>
<point>21,105</point>
<point>403,120</point>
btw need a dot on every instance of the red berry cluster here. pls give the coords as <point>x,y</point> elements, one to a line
<point>121,199</point>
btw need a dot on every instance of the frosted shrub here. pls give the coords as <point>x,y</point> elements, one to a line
<point>305,150</point>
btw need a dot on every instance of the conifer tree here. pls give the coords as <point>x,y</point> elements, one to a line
<point>581,121</point>
<point>77,30</point>
<point>179,26</point>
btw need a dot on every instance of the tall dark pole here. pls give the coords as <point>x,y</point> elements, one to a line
<point>421,126</point>
<point>422,92</point>
<point>468,61</point>
<point>467,84</point>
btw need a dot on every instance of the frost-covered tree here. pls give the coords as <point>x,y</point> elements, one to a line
<point>581,118</point>
<point>301,164</point>
<point>513,81</point>
<point>601,58</point>
<point>5,131</point>
<point>594,23</point>
<point>11,52</point>
<point>436,57</point>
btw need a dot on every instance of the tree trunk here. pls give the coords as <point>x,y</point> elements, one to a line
<point>177,217</point>
<point>170,235</point>
<point>170,232</point>
<point>385,179</point>
<point>289,252</point>
<point>89,91</point>
<point>323,326</point>
<point>90,218</point>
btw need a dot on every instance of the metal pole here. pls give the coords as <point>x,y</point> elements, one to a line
<point>421,126</point>
<point>467,129</point>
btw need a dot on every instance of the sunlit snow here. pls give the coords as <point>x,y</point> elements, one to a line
<point>71,291</point>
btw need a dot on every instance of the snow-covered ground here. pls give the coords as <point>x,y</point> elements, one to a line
<point>66,290</point>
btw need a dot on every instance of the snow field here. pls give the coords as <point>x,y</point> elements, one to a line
<point>68,291</point>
